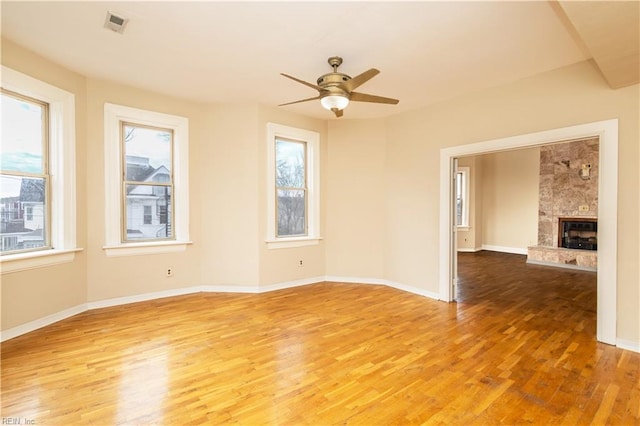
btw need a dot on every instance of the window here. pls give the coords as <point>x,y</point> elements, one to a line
<point>147,181</point>
<point>37,173</point>
<point>24,173</point>
<point>462,197</point>
<point>162,214</point>
<point>293,186</point>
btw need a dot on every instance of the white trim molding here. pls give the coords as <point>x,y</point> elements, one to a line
<point>503,249</point>
<point>312,139</point>
<point>629,345</point>
<point>607,132</point>
<point>42,322</point>
<point>37,259</point>
<point>62,169</point>
<point>388,283</point>
<point>469,249</point>
<point>125,300</point>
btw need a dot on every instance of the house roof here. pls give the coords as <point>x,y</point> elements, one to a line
<point>32,190</point>
<point>427,51</point>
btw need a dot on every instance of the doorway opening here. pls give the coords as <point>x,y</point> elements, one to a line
<point>607,132</point>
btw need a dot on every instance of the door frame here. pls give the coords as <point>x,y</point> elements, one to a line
<point>607,275</point>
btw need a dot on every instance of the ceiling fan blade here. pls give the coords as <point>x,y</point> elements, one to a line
<point>313,86</point>
<point>337,112</point>
<point>360,79</point>
<point>363,97</point>
<point>301,100</point>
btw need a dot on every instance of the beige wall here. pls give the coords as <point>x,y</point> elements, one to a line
<point>36,293</point>
<point>228,196</point>
<point>281,265</point>
<point>393,165</point>
<point>227,157</point>
<point>111,277</point>
<point>510,199</point>
<point>356,193</point>
<point>572,95</point>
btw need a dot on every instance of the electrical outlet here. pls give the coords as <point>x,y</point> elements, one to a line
<point>584,208</point>
<point>300,263</point>
<point>169,272</point>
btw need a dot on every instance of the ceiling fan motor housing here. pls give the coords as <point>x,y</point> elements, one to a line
<point>332,84</point>
<point>332,79</point>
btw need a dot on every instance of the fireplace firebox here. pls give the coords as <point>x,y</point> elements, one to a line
<point>578,233</point>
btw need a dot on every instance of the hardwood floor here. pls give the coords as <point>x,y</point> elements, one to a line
<point>518,347</point>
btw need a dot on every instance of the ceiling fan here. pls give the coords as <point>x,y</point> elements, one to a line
<point>335,89</point>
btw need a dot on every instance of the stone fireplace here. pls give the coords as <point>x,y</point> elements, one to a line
<point>568,205</point>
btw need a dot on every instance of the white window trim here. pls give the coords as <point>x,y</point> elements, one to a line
<point>466,201</point>
<point>113,115</point>
<point>313,186</point>
<point>62,171</point>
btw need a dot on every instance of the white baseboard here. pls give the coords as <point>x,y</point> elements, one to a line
<point>562,265</point>
<point>392,284</point>
<point>355,280</point>
<point>414,290</point>
<point>468,250</point>
<point>629,345</point>
<point>290,284</point>
<point>58,316</point>
<point>502,249</point>
<point>41,322</point>
<point>117,301</point>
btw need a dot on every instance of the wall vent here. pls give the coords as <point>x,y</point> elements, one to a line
<point>115,23</point>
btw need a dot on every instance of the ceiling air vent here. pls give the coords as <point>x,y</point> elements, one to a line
<point>115,23</point>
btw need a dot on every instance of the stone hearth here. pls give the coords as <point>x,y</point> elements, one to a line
<point>568,258</point>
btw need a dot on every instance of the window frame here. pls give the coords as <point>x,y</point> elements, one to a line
<point>463,171</point>
<point>312,175</point>
<point>44,174</point>
<point>304,188</point>
<point>126,183</point>
<point>114,245</point>
<point>62,172</point>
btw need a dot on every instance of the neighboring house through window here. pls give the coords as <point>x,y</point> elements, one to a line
<point>37,173</point>
<point>147,181</point>
<point>293,186</point>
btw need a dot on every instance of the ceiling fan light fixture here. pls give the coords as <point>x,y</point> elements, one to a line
<point>332,102</point>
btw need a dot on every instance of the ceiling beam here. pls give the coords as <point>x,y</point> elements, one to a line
<point>610,30</point>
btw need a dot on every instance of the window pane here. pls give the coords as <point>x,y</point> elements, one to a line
<point>22,145</point>
<point>22,213</point>
<point>148,153</point>
<point>148,212</point>
<point>290,164</point>
<point>291,212</point>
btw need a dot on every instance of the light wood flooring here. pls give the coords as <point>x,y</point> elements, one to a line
<point>517,348</point>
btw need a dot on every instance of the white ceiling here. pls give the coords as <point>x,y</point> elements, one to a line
<point>220,52</point>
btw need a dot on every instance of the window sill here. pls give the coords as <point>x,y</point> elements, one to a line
<point>36,259</point>
<point>136,249</point>
<point>463,228</point>
<point>293,242</point>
